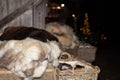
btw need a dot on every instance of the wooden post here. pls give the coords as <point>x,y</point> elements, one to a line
<point>40,13</point>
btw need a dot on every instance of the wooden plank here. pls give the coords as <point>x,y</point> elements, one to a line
<point>23,20</point>
<point>27,18</point>
<point>12,6</point>
<point>3,8</point>
<point>17,12</point>
<point>40,12</point>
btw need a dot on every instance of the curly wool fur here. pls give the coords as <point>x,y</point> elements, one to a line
<point>28,58</point>
<point>64,33</point>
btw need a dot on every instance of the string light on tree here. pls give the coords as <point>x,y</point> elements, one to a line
<point>86,28</point>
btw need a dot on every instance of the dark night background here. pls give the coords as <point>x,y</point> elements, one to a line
<point>97,15</point>
<point>95,10</point>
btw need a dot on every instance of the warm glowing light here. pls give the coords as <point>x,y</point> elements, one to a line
<point>73,15</point>
<point>58,7</point>
<point>62,5</point>
<point>105,38</point>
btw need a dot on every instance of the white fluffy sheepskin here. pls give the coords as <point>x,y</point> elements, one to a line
<point>28,58</point>
<point>64,33</point>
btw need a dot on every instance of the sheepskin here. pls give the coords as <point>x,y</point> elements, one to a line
<point>28,58</point>
<point>64,33</point>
